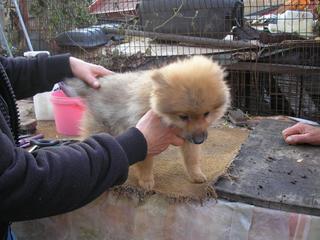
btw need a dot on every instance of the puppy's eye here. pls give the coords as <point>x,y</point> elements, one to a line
<point>206,114</point>
<point>184,117</point>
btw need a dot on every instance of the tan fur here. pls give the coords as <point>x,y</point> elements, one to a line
<point>190,94</point>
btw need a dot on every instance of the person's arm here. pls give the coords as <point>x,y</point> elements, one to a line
<point>29,76</point>
<point>59,179</point>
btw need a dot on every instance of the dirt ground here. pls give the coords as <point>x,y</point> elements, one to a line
<point>26,109</point>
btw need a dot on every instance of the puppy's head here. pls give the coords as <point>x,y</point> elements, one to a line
<point>190,94</point>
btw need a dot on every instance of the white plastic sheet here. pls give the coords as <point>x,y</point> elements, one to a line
<point>115,218</point>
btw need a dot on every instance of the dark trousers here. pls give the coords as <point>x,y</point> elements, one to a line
<point>3,231</point>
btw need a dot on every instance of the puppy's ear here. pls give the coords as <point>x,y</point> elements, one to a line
<point>158,79</point>
<point>225,73</point>
<point>77,86</point>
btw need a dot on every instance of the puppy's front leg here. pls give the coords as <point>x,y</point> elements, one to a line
<point>192,157</point>
<point>144,173</point>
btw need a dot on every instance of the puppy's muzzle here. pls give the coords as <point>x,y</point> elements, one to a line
<point>198,138</point>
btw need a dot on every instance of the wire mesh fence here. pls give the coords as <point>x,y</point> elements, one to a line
<point>270,48</point>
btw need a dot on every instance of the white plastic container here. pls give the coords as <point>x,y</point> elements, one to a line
<point>43,106</point>
<point>300,22</point>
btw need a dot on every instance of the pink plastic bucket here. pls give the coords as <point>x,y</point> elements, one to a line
<point>67,113</point>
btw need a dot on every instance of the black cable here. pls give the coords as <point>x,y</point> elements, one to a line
<point>8,105</point>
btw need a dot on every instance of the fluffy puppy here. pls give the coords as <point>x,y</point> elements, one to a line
<point>190,94</point>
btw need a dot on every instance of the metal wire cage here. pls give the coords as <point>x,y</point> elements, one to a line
<point>270,48</point>
<point>283,79</point>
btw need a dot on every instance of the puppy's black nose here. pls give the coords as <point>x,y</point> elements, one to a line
<point>199,138</point>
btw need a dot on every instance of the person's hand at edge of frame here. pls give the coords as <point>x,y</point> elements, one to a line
<point>302,133</point>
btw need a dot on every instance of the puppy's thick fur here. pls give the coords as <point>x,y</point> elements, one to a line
<point>190,94</point>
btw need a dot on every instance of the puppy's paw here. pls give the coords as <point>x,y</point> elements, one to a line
<point>147,184</point>
<point>198,177</point>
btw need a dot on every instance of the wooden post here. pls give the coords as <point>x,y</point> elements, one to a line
<point>24,11</point>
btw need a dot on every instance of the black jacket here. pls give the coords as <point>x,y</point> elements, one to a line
<point>58,179</point>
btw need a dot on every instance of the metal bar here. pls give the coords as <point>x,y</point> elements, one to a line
<point>23,25</point>
<point>186,39</point>
<point>274,68</point>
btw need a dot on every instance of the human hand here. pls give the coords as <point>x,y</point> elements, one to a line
<point>157,134</point>
<point>302,133</point>
<point>87,72</point>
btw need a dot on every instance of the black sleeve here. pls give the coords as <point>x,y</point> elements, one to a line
<point>29,76</point>
<point>59,179</point>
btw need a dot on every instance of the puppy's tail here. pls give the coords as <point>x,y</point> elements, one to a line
<point>74,87</point>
